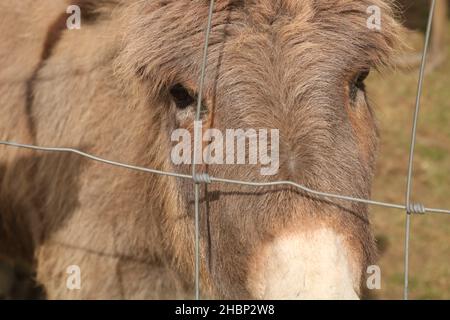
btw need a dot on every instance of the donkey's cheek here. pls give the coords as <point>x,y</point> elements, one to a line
<point>312,265</point>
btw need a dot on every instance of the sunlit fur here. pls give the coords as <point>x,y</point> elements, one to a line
<point>105,89</point>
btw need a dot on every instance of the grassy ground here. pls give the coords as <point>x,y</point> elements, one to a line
<point>394,97</point>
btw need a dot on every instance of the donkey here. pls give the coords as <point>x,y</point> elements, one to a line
<point>119,86</point>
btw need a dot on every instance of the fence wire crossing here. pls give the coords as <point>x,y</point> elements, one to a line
<point>412,147</point>
<point>204,178</point>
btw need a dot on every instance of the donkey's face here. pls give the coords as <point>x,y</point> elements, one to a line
<point>295,66</point>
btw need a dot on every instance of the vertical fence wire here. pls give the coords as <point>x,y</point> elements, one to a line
<point>412,147</point>
<point>196,139</point>
<point>411,208</point>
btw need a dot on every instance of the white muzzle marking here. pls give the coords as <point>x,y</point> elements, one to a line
<point>310,265</point>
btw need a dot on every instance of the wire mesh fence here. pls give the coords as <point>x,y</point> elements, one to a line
<point>409,207</point>
<point>412,147</point>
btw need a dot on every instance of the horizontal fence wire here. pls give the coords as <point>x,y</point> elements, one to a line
<point>199,178</point>
<point>204,178</point>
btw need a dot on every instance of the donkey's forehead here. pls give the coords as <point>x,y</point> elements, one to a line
<point>264,15</point>
<point>168,36</point>
<point>260,14</point>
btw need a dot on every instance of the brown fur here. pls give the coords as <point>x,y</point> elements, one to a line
<point>105,89</point>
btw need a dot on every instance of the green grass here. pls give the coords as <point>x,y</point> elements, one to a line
<point>394,97</point>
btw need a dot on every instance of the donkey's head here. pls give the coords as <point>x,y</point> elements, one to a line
<point>295,66</point>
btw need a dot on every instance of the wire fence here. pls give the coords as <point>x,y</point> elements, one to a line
<point>203,178</point>
<point>412,148</point>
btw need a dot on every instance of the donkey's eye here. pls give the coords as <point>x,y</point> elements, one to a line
<point>362,76</point>
<point>181,96</point>
<point>358,84</point>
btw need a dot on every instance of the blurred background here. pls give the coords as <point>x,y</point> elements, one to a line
<point>393,98</point>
